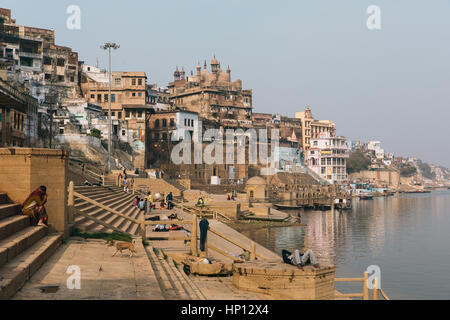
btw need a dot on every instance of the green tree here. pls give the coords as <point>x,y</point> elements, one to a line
<point>408,170</point>
<point>96,133</point>
<point>357,161</point>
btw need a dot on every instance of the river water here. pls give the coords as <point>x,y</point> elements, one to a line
<point>407,236</point>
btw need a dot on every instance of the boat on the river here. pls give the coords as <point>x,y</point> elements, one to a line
<point>365,195</point>
<point>286,206</point>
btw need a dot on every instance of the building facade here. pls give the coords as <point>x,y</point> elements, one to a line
<point>328,156</point>
<point>212,94</point>
<point>312,129</point>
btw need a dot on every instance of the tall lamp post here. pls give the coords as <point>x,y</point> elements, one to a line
<point>108,46</point>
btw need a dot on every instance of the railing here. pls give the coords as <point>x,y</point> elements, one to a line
<point>365,295</point>
<point>251,249</point>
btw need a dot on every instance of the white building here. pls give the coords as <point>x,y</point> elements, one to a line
<point>185,121</point>
<point>376,147</point>
<point>328,156</point>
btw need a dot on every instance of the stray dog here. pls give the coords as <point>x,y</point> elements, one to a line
<point>122,246</point>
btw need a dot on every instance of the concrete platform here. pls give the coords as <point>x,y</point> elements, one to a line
<point>102,276</point>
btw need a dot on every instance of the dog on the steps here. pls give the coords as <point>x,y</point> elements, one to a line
<point>120,245</point>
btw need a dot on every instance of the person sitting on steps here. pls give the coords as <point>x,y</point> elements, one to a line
<point>298,259</point>
<point>33,206</point>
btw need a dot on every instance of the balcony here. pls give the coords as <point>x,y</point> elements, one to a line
<point>30,55</point>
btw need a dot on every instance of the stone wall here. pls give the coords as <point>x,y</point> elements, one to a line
<point>390,178</point>
<point>22,170</point>
<point>282,281</point>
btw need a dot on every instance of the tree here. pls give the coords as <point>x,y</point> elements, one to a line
<point>408,170</point>
<point>357,161</point>
<point>426,170</point>
<point>96,133</point>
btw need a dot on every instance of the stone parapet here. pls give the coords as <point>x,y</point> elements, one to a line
<point>22,170</point>
<point>283,281</point>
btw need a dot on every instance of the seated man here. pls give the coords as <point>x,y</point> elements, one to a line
<point>300,260</point>
<point>33,206</point>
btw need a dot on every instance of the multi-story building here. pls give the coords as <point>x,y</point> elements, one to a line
<point>375,147</point>
<point>328,156</point>
<point>212,95</point>
<point>128,96</point>
<point>312,129</point>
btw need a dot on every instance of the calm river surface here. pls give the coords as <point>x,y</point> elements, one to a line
<point>407,236</point>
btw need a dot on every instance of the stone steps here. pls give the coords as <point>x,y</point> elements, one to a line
<point>23,248</point>
<point>9,209</point>
<point>113,197</point>
<point>174,283</point>
<point>167,288</point>
<point>83,223</point>
<point>12,224</point>
<point>15,273</point>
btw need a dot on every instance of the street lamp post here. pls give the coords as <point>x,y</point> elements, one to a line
<point>108,46</point>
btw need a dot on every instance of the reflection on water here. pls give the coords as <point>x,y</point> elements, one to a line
<point>407,236</point>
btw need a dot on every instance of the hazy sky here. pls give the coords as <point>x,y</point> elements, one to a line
<point>391,85</point>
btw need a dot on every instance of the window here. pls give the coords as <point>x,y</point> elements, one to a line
<point>119,115</point>
<point>72,79</point>
<point>157,123</point>
<point>99,98</point>
<point>164,123</point>
<point>92,96</point>
<point>185,122</point>
<point>60,62</point>
<point>322,161</point>
<point>60,78</point>
<point>133,82</point>
<point>140,94</point>
<point>134,94</point>
<point>113,97</point>
<point>139,114</point>
<point>127,114</point>
<point>105,97</point>
<point>322,170</point>
<point>172,122</point>
<point>113,114</point>
<point>61,130</point>
<point>164,136</point>
<point>140,82</point>
<point>118,81</point>
<point>123,131</point>
<point>48,76</point>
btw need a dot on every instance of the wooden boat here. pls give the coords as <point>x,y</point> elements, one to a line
<point>286,206</point>
<point>366,195</point>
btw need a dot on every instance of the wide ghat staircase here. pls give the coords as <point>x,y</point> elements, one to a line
<point>92,218</point>
<point>175,284</point>
<point>23,247</point>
